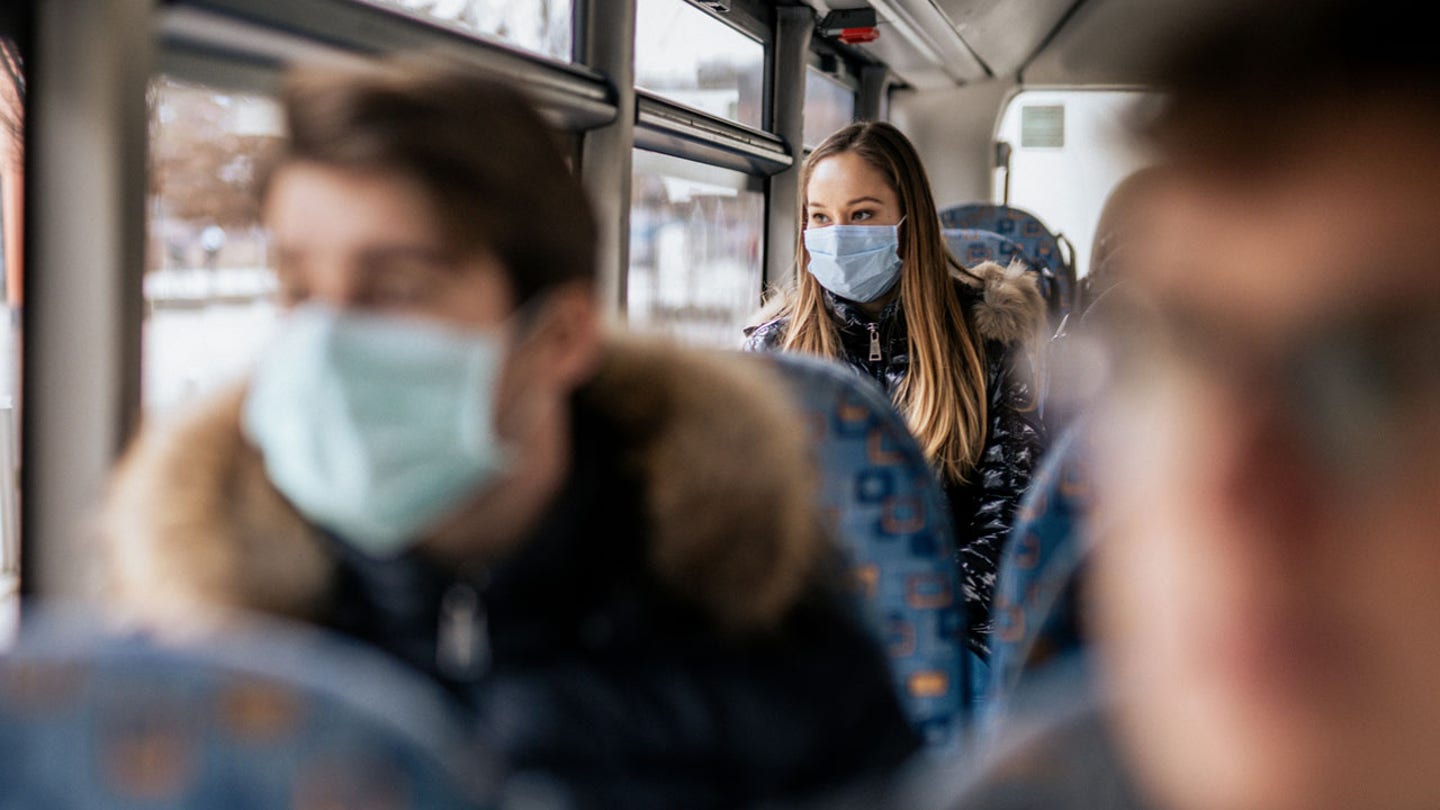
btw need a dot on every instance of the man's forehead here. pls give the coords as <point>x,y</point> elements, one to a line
<point>1309,242</point>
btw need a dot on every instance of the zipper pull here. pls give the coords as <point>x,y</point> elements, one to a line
<point>463,647</point>
<point>874,342</point>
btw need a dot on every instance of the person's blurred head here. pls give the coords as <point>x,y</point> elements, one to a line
<point>1269,573</point>
<point>421,218</point>
<point>866,181</point>
<point>469,162</point>
<point>1122,222</point>
<point>1076,362</point>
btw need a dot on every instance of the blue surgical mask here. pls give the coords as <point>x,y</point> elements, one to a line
<point>858,262</point>
<point>376,427</point>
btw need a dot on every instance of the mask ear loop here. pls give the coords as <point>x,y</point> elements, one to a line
<point>515,331</point>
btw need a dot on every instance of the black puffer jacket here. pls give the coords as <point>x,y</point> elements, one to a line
<point>601,680</point>
<point>1007,315</point>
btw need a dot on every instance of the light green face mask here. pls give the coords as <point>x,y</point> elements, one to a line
<point>376,427</point>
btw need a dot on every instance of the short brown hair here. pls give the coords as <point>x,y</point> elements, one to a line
<point>490,165</point>
<point>1243,87</point>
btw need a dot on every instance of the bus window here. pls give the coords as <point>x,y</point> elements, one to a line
<point>1068,149</point>
<point>208,288</point>
<point>829,105</point>
<point>12,95</point>
<point>687,56</point>
<point>695,237</point>
<point>542,26</point>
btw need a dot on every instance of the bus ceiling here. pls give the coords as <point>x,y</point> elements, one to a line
<point>937,44</point>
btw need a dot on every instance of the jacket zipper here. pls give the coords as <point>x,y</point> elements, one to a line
<point>874,342</point>
<point>462,650</point>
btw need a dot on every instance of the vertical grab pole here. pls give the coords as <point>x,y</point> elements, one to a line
<point>794,26</point>
<point>874,81</point>
<point>606,153</point>
<point>85,212</point>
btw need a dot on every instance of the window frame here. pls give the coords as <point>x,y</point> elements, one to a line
<point>843,77</point>
<point>743,17</point>
<point>751,184</point>
<point>257,38</point>
<point>244,45</point>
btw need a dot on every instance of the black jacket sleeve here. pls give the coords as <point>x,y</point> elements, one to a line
<point>984,507</point>
<point>765,337</point>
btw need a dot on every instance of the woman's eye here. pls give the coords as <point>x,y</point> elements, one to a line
<point>820,219</point>
<point>861,216</point>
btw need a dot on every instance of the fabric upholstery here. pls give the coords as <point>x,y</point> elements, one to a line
<point>888,510</point>
<point>974,245</point>
<point>1027,231</point>
<point>1037,620</point>
<point>279,718</point>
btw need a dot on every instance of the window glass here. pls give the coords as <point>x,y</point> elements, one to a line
<point>208,289</point>
<point>542,26</point>
<point>686,55</point>
<point>1070,148</point>
<point>12,114</point>
<point>829,105</point>
<point>695,246</point>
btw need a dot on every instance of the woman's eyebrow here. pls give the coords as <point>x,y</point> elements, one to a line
<point>856,201</point>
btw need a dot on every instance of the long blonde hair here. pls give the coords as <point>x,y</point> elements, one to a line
<point>943,395</point>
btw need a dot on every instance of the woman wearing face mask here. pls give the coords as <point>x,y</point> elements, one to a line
<point>876,287</point>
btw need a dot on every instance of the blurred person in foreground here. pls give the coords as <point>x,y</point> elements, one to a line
<point>1266,579</point>
<point>608,551</point>
<point>1269,584</point>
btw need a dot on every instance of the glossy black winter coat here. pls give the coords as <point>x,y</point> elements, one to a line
<point>982,508</point>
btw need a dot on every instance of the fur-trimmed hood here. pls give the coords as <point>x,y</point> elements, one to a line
<point>192,527</point>
<point>1008,308</point>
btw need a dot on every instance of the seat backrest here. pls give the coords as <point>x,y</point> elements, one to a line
<point>275,717</point>
<point>973,246</point>
<point>1026,230</point>
<point>1036,610</point>
<point>889,513</point>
